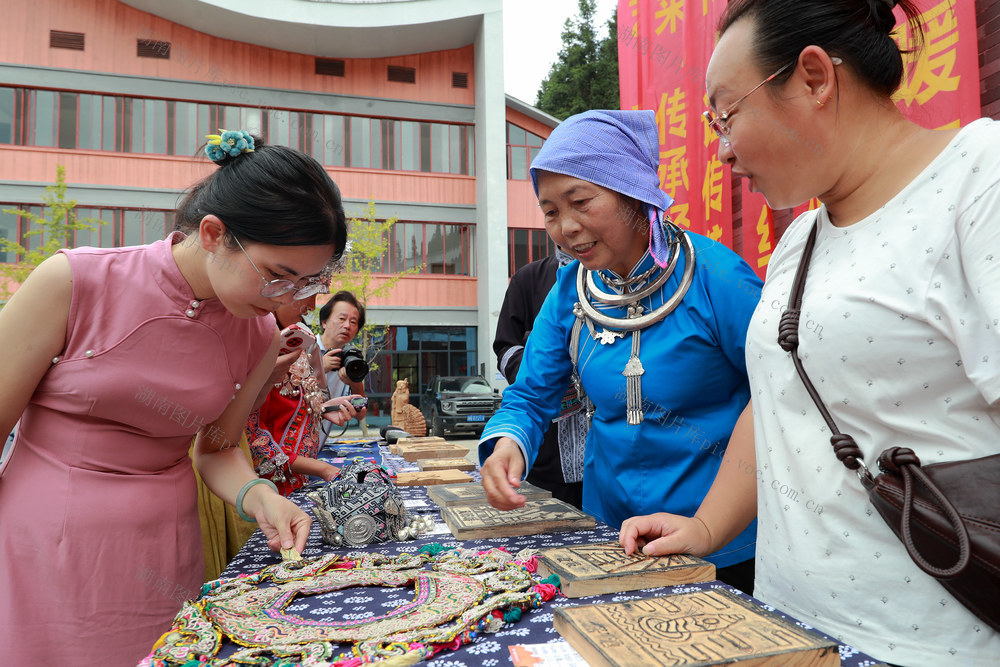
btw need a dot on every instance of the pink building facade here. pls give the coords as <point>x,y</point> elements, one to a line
<point>401,100</point>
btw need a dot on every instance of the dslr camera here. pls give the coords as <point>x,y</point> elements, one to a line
<point>353,363</point>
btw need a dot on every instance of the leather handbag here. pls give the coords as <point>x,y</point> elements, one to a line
<point>947,515</point>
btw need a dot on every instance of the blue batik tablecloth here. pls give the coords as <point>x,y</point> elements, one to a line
<point>488,650</point>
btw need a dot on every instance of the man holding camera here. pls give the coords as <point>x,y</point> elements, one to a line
<point>341,318</point>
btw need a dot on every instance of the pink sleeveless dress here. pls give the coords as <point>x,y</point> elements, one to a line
<point>99,531</point>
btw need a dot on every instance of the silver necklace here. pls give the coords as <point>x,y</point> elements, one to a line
<point>635,319</point>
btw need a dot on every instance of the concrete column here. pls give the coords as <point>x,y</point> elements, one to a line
<point>491,185</point>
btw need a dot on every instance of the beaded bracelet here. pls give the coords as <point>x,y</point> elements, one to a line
<point>243,493</point>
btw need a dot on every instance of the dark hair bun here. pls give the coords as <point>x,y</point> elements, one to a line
<point>882,12</point>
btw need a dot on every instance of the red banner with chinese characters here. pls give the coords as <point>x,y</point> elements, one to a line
<point>663,50</point>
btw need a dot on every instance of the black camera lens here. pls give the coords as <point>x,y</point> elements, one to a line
<point>354,364</point>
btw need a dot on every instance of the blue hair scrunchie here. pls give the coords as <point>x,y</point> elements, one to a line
<point>228,143</point>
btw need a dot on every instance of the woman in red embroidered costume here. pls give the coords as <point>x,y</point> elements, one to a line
<point>284,433</point>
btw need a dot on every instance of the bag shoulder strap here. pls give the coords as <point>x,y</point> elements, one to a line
<point>844,446</point>
<point>900,460</point>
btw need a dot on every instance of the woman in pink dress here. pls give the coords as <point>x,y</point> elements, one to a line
<point>113,359</point>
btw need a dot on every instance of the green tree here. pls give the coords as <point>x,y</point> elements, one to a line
<point>586,74</point>
<point>57,230</point>
<point>363,275</point>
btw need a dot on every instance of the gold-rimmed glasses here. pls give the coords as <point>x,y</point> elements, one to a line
<point>281,286</point>
<point>720,123</point>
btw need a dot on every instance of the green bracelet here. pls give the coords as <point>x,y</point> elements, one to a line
<point>243,492</point>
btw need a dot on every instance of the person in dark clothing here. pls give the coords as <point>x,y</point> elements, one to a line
<point>559,466</point>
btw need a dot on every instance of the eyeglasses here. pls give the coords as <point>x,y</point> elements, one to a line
<point>279,287</point>
<point>720,123</point>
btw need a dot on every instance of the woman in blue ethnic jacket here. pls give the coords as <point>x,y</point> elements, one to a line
<point>653,321</point>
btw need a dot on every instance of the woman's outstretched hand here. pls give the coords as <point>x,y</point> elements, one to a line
<point>502,475</point>
<point>661,533</point>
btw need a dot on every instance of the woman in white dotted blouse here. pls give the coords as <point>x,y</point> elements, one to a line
<point>898,330</point>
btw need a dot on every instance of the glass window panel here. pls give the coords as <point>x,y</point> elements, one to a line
<point>8,230</point>
<point>132,227</point>
<point>469,248</point>
<point>375,132</point>
<point>138,118</point>
<point>154,225</point>
<point>333,144</point>
<point>110,235</point>
<point>232,118</point>
<point>156,126</point>
<point>90,122</point>
<point>515,135</point>
<point>533,152</point>
<point>278,127</point>
<point>361,155</point>
<point>297,129</point>
<point>251,121</point>
<point>186,137</point>
<point>410,237</point>
<point>435,249</point>
<point>316,137</point>
<point>534,139</point>
<point>123,123</point>
<point>425,146</point>
<point>43,117</point>
<point>390,157</point>
<point>67,120</point>
<point>34,240</point>
<point>455,149</point>
<point>305,132</point>
<point>171,127</point>
<point>454,259</point>
<point>539,245</point>
<point>6,116</point>
<point>470,133</point>
<point>205,125</point>
<point>109,115</point>
<point>87,237</point>
<point>409,143</point>
<point>439,148</point>
<point>519,246</point>
<point>518,163</point>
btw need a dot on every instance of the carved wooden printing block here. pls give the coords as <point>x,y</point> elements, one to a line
<point>473,522</point>
<point>595,569</point>
<point>474,494</point>
<point>714,627</point>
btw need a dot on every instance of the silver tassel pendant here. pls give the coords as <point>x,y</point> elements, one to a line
<point>633,376</point>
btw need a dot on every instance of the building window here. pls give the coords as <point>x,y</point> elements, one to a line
<point>527,245</point>
<point>438,249</point>
<point>522,147</point>
<point>67,119</point>
<point>417,354</point>
<point>172,127</point>
<point>123,227</point>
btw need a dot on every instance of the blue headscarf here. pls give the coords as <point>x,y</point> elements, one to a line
<point>618,150</point>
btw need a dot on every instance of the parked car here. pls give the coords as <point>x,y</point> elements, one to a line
<point>461,403</point>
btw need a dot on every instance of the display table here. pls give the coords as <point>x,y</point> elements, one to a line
<point>535,627</point>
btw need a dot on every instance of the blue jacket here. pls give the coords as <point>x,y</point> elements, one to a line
<point>693,389</point>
